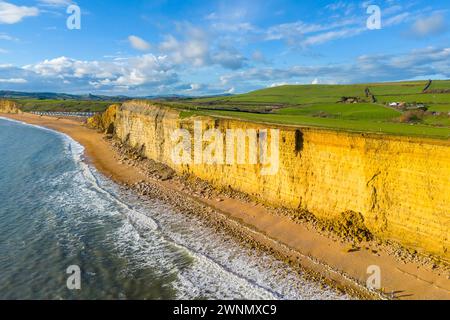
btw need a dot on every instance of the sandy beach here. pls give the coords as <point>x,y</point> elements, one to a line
<point>324,257</point>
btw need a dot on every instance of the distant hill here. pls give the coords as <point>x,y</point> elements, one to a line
<point>433,94</point>
<point>58,96</point>
<point>5,94</point>
<point>178,97</point>
<point>51,101</point>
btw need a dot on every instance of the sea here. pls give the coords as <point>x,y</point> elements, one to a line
<point>68,233</point>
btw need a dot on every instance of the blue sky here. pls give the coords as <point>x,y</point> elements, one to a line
<point>146,47</point>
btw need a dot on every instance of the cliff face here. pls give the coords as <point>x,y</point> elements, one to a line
<point>399,186</point>
<point>7,106</point>
<point>104,121</point>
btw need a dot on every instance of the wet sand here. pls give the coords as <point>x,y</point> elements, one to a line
<point>302,245</point>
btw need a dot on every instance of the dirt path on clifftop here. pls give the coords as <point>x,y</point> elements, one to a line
<point>314,251</point>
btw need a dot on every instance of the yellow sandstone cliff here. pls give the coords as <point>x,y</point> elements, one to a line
<point>105,120</point>
<point>7,106</point>
<point>399,186</point>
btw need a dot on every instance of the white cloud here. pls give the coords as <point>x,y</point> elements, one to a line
<point>193,50</point>
<point>396,19</point>
<point>301,33</point>
<point>138,43</point>
<point>150,74</point>
<point>241,27</point>
<point>194,87</point>
<point>11,14</point>
<point>7,37</point>
<point>279,84</point>
<point>55,3</point>
<point>331,35</point>
<point>348,21</point>
<point>429,26</point>
<point>13,80</point>
<point>197,49</point>
<point>343,7</point>
<point>228,58</point>
<point>415,64</point>
<point>130,73</point>
<point>292,30</point>
<point>211,16</point>
<point>231,90</point>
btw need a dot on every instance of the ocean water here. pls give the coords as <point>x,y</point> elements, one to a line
<point>57,211</point>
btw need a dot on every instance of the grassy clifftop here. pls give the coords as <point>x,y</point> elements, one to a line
<point>417,108</point>
<point>28,105</point>
<point>412,92</point>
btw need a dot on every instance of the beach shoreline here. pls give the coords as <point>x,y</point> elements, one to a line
<point>322,256</point>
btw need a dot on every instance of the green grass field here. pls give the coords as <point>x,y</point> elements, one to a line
<point>309,94</point>
<point>430,98</point>
<point>439,107</point>
<point>439,85</point>
<point>357,111</point>
<point>63,105</point>
<point>292,95</point>
<point>320,106</point>
<point>339,124</point>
